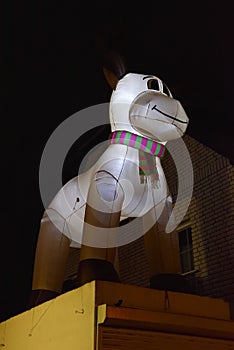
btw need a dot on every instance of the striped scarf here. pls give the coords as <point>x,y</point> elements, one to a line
<point>148,150</point>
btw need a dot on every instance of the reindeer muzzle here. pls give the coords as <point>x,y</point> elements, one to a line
<point>158,116</point>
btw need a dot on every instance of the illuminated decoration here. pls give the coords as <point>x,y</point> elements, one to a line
<point>126,181</point>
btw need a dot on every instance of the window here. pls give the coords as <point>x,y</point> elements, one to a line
<point>186,249</point>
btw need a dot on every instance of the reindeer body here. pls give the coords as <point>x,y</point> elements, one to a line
<point>115,190</point>
<point>138,198</point>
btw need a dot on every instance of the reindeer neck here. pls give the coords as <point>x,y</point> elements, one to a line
<point>138,142</point>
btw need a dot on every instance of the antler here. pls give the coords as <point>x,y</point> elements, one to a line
<point>111,59</point>
<point>114,61</point>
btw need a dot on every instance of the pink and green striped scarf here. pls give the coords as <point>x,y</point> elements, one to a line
<point>148,150</point>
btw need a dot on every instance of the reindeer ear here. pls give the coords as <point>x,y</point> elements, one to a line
<point>111,78</point>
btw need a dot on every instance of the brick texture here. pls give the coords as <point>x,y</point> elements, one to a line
<point>211,217</point>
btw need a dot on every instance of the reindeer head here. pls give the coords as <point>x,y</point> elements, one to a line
<point>144,105</point>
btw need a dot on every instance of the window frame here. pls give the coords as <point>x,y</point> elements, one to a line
<point>186,251</point>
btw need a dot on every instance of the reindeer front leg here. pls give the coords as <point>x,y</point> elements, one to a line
<point>103,209</point>
<point>50,263</point>
<point>162,252</point>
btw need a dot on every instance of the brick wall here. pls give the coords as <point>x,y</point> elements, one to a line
<point>211,217</point>
<point>133,266</point>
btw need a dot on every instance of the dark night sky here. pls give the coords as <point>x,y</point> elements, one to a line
<point>50,70</point>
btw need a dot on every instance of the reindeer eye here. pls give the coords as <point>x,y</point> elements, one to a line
<point>166,90</point>
<point>153,84</point>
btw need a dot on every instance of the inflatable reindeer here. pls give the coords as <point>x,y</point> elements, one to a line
<point>127,181</point>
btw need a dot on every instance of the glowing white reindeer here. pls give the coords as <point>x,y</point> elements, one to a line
<point>126,181</point>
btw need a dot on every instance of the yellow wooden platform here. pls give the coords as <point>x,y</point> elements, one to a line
<point>106,315</point>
